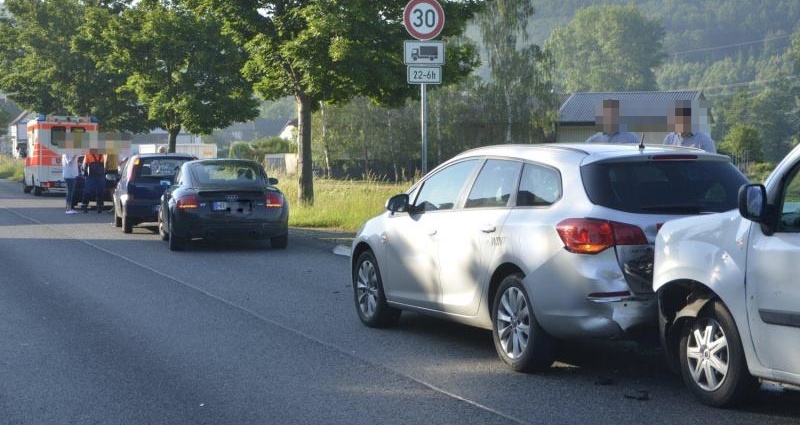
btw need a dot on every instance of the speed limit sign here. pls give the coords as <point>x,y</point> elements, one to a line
<point>424,19</point>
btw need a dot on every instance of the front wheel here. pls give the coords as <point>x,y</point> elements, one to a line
<point>712,359</point>
<point>518,338</point>
<point>162,231</point>
<point>371,305</point>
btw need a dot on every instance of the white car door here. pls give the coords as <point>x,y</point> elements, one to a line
<point>468,240</point>
<point>773,288</point>
<point>411,269</point>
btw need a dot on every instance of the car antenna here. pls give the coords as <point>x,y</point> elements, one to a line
<point>641,144</point>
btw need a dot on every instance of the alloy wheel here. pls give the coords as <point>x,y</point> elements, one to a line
<point>707,354</point>
<point>513,322</point>
<point>367,288</point>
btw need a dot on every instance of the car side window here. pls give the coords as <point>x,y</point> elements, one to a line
<point>539,186</point>
<point>494,185</point>
<point>790,204</point>
<point>440,191</point>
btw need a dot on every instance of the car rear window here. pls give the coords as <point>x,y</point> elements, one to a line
<point>158,168</point>
<point>663,187</point>
<point>226,173</point>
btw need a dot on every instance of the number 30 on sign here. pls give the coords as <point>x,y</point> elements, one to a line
<point>424,19</point>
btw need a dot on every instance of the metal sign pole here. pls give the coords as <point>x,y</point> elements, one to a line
<point>424,121</point>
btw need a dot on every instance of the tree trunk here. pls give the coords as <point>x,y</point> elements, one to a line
<point>325,150</point>
<point>366,154</point>
<point>509,117</point>
<point>173,138</point>
<point>305,192</point>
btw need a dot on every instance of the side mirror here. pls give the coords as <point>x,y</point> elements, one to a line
<point>398,203</point>
<point>272,181</point>
<point>753,202</point>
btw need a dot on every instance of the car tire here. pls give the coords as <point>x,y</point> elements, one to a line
<point>279,242</point>
<point>37,191</point>
<point>127,225</point>
<point>518,338</point>
<point>712,359</point>
<point>25,187</point>
<point>370,300</point>
<point>161,230</point>
<point>117,218</point>
<point>176,243</point>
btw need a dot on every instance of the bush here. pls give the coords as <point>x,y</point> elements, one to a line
<point>10,168</point>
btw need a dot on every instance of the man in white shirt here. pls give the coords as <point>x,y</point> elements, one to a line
<point>69,172</point>
<point>683,135</point>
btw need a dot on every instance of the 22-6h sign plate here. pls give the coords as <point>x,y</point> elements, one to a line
<point>424,19</point>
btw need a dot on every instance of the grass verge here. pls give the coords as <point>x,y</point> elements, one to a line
<point>339,204</point>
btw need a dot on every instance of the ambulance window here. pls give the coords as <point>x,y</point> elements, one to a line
<point>77,138</point>
<point>58,135</point>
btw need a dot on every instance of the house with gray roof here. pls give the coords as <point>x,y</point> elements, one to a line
<point>645,113</point>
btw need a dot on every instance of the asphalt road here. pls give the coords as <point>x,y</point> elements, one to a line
<point>98,327</point>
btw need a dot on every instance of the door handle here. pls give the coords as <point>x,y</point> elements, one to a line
<point>488,228</point>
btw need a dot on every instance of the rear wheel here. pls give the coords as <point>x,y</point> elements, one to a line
<point>127,225</point>
<point>37,191</point>
<point>279,242</point>
<point>712,359</point>
<point>117,218</point>
<point>371,305</point>
<point>518,338</point>
<point>25,187</point>
<point>176,243</point>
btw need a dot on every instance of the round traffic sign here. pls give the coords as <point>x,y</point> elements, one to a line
<point>424,19</point>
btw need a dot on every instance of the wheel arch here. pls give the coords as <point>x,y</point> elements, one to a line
<point>500,273</point>
<point>678,302</point>
<point>359,249</point>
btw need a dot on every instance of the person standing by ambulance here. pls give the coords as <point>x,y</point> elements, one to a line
<point>69,172</point>
<point>94,168</point>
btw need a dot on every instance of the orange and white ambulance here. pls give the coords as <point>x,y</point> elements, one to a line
<point>50,136</point>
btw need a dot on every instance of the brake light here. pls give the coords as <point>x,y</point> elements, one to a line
<point>273,200</point>
<point>188,202</point>
<point>674,157</point>
<point>590,236</point>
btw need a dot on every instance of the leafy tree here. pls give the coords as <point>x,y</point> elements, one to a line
<point>520,71</point>
<point>332,51</point>
<point>607,48</point>
<point>178,65</point>
<point>45,71</point>
<point>743,143</point>
<point>241,150</point>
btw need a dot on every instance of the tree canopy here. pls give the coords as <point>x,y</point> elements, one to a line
<point>330,51</point>
<point>607,48</point>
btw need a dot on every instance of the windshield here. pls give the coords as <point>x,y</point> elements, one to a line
<point>664,187</point>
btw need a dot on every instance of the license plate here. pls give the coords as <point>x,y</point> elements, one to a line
<point>219,206</point>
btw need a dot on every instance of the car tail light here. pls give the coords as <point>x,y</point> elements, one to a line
<point>135,165</point>
<point>188,202</point>
<point>273,200</point>
<point>590,236</point>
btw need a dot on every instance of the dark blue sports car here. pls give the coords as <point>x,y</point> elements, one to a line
<point>223,198</point>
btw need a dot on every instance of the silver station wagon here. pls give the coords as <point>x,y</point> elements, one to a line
<point>535,242</point>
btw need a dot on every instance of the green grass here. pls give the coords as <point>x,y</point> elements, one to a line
<point>10,168</point>
<point>339,204</point>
